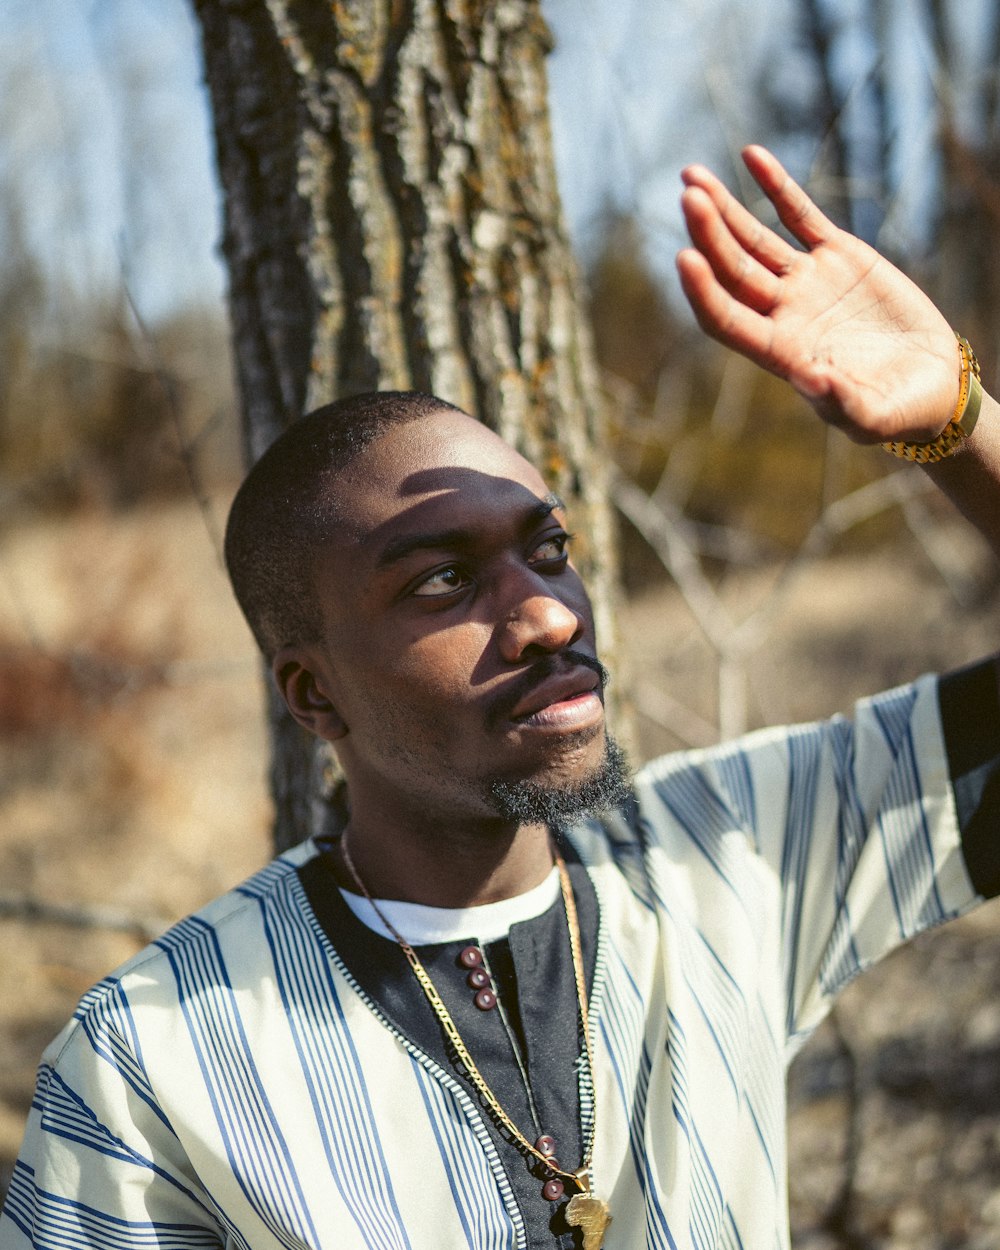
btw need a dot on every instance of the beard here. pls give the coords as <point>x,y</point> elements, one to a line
<point>530,803</point>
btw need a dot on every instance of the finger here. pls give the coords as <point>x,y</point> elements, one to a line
<point>734,267</point>
<point>763,244</point>
<point>795,209</point>
<point>719,314</point>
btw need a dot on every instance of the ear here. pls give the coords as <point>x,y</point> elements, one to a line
<point>296,676</point>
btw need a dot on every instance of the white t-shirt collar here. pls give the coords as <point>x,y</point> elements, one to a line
<point>433,926</point>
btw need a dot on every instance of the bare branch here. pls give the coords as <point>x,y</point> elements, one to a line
<point>81,916</point>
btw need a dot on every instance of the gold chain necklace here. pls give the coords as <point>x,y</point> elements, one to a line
<point>584,1211</point>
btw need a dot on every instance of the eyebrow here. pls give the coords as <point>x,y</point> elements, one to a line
<point>398,548</point>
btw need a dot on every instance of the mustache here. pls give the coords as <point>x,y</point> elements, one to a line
<point>541,670</point>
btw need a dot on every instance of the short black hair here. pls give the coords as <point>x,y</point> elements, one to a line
<point>282,512</point>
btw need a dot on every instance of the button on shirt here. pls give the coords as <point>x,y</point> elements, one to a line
<point>532,968</point>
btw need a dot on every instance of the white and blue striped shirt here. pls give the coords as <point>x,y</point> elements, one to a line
<point>233,1086</point>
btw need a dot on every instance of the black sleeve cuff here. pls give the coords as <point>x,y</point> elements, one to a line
<point>970,716</point>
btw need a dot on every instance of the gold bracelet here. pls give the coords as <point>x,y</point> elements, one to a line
<point>962,423</point>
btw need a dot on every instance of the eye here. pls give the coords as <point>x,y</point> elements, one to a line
<point>441,582</point>
<point>551,550</point>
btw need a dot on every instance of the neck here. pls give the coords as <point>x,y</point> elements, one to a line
<point>442,868</point>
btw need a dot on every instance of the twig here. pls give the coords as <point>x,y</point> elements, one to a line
<point>81,916</point>
<point>660,707</point>
<point>184,449</point>
<point>839,1219</point>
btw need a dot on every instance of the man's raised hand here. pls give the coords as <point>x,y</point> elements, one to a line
<point>852,334</point>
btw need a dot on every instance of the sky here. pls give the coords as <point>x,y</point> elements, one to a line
<point>106,152</point>
<point>106,134</point>
<point>106,129</point>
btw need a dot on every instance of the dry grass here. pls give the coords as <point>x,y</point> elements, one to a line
<point>132,753</point>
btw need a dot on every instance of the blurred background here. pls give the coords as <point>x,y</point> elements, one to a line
<point>772,571</point>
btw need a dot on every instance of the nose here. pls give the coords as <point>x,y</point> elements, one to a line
<point>539,622</point>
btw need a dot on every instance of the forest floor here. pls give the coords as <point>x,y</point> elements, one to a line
<point>133,789</point>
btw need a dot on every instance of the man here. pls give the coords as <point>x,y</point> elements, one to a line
<point>518,1003</point>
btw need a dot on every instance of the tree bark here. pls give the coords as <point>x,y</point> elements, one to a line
<point>392,222</point>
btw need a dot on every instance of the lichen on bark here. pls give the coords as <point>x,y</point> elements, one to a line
<point>392,221</point>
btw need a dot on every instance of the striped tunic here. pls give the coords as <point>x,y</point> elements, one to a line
<point>232,1086</point>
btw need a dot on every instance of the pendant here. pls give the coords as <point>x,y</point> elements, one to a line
<point>591,1215</point>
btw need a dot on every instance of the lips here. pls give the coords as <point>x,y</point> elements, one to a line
<point>576,686</point>
<point>560,692</point>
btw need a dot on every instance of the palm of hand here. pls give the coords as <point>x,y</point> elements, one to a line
<point>847,329</point>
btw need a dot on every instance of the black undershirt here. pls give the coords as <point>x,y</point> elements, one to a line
<point>533,973</point>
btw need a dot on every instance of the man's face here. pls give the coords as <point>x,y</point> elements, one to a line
<point>459,645</point>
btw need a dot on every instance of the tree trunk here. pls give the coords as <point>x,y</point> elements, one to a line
<point>392,221</point>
